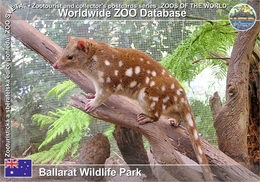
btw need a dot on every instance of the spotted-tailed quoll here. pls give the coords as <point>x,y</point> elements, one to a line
<point>132,73</point>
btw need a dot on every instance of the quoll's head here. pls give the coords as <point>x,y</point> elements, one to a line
<point>76,55</point>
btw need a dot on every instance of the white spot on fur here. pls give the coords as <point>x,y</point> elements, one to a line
<point>107,62</point>
<point>129,72</point>
<point>199,159</point>
<point>152,83</point>
<point>137,69</point>
<point>172,86</point>
<point>148,62</point>
<point>95,58</point>
<point>119,87</point>
<point>155,99</point>
<point>182,100</point>
<point>120,63</point>
<point>108,80</point>
<point>153,73</point>
<point>163,107</point>
<point>141,95</point>
<point>113,56</point>
<point>200,150</point>
<point>179,91</point>
<point>166,99</point>
<point>195,134</point>
<point>100,76</point>
<point>133,83</point>
<point>163,88</point>
<point>148,71</point>
<point>163,72</point>
<point>147,79</point>
<point>189,120</point>
<point>156,114</point>
<point>116,72</point>
<point>152,105</point>
<point>141,59</point>
<point>170,76</point>
<point>175,98</point>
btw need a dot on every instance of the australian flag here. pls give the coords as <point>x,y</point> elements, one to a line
<point>21,168</point>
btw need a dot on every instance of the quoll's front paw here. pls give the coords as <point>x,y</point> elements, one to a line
<point>89,107</point>
<point>142,118</point>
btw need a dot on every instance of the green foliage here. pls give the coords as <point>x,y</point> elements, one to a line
<point>204,120</point>
<point>70,121</point>
<point>60,90</point>
<point>211,36</point>
<point>109,131</point>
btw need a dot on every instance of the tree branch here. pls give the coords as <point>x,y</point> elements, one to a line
<point>232,121</point>
<point>119,110</point>
<point>217,56</point>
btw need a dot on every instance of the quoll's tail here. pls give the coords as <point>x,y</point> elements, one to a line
<point>196,142</point>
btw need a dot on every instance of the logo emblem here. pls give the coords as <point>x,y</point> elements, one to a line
<point>242,17</point>
<point>21,168</point>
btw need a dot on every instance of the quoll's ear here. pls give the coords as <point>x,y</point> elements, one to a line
<point>81,45</point>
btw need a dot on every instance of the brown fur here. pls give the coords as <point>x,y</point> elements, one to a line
<point>134,74</point>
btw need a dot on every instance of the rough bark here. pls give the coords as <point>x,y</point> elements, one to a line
<point>253,136</point>
<point>224,167</point>
<point>215,105</point>
<point>158,134</point>
<point>232,121</point>
<point>131,146</point>
<point>95,151</point>
<point>50,51</point>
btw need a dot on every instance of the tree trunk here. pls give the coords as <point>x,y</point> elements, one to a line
<point>215,105</point>
<point>253,136</point>
<point>162,138</point>
<point>232,121</point>
<point>130,144</point>
<point>158,133</point>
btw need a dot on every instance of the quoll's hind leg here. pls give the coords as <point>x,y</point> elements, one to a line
<point>150,106</point>
<point>174,118</point>
<point>143,118</point>
<point>174,122</point>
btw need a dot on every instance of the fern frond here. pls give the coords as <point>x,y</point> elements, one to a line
<point>218,37</point>
<point>58,151</point>
<point>42,120</point>
<point>60,90</point>
<point>69,120</point>
<point>109,131</point>
<point>42,157</point>
<point>63,147</point>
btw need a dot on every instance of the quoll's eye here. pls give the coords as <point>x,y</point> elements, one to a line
<point>70,57</point>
